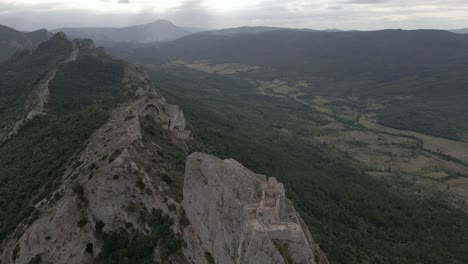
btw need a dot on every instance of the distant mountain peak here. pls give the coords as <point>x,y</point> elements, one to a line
<point>12,40</point>
<point>158,31</point>
<point>460,31</point>
<point>164,21</point>
<point>2,27</point>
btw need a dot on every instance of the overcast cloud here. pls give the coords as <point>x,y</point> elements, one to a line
<point>323,14</point>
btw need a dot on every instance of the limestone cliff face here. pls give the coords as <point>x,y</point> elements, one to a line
<point>238,216</point>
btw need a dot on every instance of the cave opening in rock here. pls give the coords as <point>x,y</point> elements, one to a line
<point>99,226</point>
<point>89,248</point>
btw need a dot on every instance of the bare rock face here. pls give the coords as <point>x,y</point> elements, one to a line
<point>84,44</point>
<point>242,217</point>
<point>153,106</point>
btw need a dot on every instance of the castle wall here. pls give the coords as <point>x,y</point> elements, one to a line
<point>290,232</point>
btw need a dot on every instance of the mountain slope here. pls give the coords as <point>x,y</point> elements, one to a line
<point>22,74</point>
<point>158,31</point>
<point>428,67</point>
<point>460,31</point>
<point>337,50</point>
<point>12,40</point>
<point>94,173</point>
<point>249,30</point>
<point>356,218</point>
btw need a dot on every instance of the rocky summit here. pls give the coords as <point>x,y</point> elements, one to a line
<point>238,216</point>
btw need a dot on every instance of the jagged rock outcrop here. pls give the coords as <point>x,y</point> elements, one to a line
<point>238,216</point>
<point>151,104</point>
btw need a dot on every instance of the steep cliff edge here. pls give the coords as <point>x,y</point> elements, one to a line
<point>238,216</point>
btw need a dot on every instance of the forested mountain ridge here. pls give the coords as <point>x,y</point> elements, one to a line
<point>94,160</point>
<point>427,67</point>
<point>460,31</point>
<point>158,31</point>
<point>248,31</point>
<point>364,128</point>
<point>346,55</point>
<point>93,166</point>
<point>12,41</point>
<point>22,74</point>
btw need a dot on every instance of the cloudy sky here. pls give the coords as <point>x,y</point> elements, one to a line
<point>316,14</point>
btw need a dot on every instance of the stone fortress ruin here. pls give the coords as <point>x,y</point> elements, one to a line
<point>271,214</point>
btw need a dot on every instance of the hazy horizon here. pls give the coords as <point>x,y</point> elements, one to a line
<point>212,14</point>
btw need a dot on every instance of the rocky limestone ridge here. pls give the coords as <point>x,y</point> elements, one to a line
<point>228,214</point>
<point>115,188</point>
<point>150,104</point>
<point>241,217</point>
<point>234,215</point>
<point>36,102</point>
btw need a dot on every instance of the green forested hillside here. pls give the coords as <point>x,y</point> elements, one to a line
<point>82,94</point>
<point>12,41</point>
<point>355,219</point>
<point>460,31</point>
<point>428,67</point>
<point>339,55</point>
<point>19,76</point>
